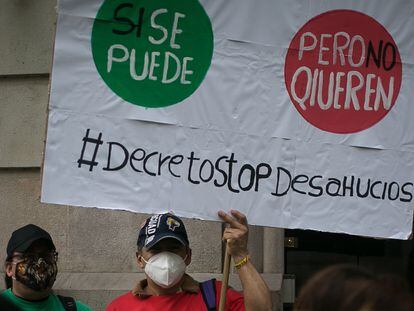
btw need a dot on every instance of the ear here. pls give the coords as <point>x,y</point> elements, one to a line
<point>188,258</point>
<point>140,262</point>
<point>8,267</point>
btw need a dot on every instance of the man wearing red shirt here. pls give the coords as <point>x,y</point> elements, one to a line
<point>164,253</point>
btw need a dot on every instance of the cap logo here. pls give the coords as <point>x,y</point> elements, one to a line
<point>172,223</point>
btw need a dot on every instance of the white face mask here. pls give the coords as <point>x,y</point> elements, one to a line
<point>166,269</point>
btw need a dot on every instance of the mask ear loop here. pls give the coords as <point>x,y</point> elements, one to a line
<point>144,259</point>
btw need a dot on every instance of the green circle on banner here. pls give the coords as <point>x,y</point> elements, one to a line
<point>152,53</point>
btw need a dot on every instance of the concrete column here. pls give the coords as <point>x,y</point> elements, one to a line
<point>255,246</point>
<point>273,250</point>
<point>273,259</point>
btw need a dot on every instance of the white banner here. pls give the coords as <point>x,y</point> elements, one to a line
<point>294,112</point>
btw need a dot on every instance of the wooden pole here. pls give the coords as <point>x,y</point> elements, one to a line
<point>225,282</point>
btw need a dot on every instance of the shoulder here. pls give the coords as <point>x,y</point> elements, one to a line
<point>79,305</point>
<point>122,300</point>
<point>6,296</point>
<point>82,307</point>
<point>6,292</point>
<point>6,303</point>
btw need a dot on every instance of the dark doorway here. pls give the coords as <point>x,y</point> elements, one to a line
<point>306,252</point>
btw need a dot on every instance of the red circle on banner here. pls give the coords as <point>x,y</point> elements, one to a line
<point>343,71</point>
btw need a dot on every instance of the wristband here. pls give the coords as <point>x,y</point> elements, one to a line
<point>242,262</point>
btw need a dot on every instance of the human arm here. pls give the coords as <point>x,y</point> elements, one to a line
<point>255,291</point>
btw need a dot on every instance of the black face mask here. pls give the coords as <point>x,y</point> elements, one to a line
<point>37,273</point>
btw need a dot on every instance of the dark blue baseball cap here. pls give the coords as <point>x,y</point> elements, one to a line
<point>159,227</point>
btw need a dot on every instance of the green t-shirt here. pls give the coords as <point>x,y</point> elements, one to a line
<point>52,303</point>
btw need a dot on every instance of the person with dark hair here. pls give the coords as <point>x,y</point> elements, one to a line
<point>351,288</point>
<point>164,253</point>
<point>31,270</point>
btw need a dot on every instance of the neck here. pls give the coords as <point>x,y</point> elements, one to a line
<point>157,290</point>
<point>26,293</point>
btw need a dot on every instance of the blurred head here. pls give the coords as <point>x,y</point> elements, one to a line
<point>350,288</point>
<point>31,259</point>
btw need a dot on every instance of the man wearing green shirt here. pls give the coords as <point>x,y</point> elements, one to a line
<point>31,269</point>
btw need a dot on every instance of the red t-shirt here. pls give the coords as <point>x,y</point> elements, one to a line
<point>182,301</point>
